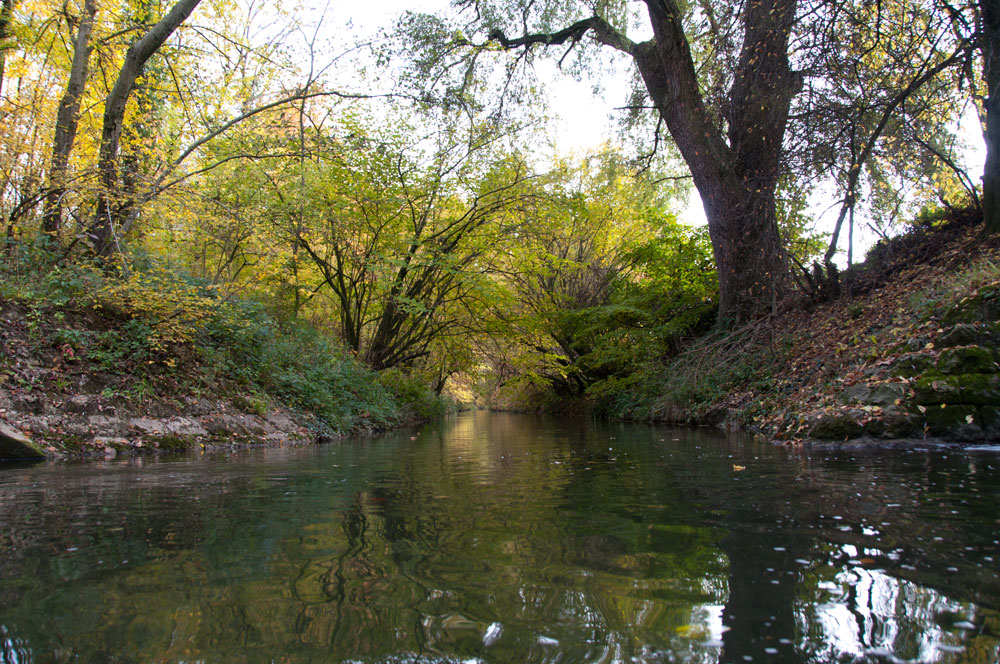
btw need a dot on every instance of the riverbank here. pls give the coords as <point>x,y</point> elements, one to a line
<point>908,352</point>
<point>95,367</point>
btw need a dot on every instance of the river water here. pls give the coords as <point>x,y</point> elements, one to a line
<point>503,538</point>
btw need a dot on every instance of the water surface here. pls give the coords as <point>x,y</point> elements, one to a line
<point>501,538</point>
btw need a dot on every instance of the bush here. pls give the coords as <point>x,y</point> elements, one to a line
<point>295,363</point>
<point>418,402</point>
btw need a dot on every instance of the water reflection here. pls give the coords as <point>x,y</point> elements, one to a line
<point>505,539</point>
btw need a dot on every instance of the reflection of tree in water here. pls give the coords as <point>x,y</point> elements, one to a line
<point>532,543</point>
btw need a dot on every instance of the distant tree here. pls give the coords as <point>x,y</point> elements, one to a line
<point>396,226</point>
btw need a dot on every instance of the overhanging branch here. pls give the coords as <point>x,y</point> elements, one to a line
<point>601,30</point>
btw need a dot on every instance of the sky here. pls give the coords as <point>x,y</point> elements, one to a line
<point>583,120</point>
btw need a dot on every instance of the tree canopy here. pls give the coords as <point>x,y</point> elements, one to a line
<point>398,194</point>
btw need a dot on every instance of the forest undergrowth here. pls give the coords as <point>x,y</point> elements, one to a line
<point>153,341</point>
<point>869,363</point>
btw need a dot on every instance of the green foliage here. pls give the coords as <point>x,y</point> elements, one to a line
<point>689,385</point>
<point>156,323</point>
<point>296,364</point>
<point>418,401</point>
<point>612,304</point>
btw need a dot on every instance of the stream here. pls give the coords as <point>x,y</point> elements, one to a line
<point>506,538</point>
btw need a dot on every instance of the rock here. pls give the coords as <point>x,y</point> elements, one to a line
<point>82,404</point>
<point>835,426</point>
<point>963,334</point>
<point>251,424</point>
<point>148,426</point>
<point>28,403</point>
<point>109,426</point>
<point>984,306</point>
<point>199,407</point>
<point>858,393</point>
<point>966,360</point>
<point>977,389</point>
<point>232,425</point>
<point>912,364</point>
<point>110,441</point>
<point>15,445</point>
<point>93,383</point>
<point>282,422</point>
<point>989,420</point>
<point>160,409</point>
<point>76,427</point>
<point>185,426</point>
<point>900,424</point>
<point>959,422</point>
<point>887,394</point>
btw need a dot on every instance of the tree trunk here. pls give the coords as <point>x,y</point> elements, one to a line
<point>5,13</point>
<point>735,174</point>
<point>67,121</point>
<point>989,45</point>
<point>736,178</point>
<point>111,209</point>
<point>749,254</point>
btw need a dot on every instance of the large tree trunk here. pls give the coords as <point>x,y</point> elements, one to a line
<point>67,121</point>
<point>749,254</point>
<point>989,45</point>
<point>736,178</point>
<point>6,10</point>
<point>736,173</point>
<point>111,208</point>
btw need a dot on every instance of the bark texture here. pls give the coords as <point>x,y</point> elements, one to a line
<point>736,178</point>
<point>989,45</point>
<point>111,206</point>
<point>67,121</point>
<point>6,10</point>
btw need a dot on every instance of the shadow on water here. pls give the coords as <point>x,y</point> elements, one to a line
<point>501,538</point>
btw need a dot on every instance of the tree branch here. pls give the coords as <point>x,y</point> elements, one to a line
<point>602,31</point>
